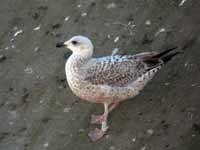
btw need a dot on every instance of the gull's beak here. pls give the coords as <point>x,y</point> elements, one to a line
<point>62,44</point>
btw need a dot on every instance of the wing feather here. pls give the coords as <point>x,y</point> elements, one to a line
<point>120,70</point>
<point>115,70</point>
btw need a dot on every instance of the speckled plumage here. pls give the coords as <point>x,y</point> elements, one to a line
<point>108,78</point>
<point>111,79</point>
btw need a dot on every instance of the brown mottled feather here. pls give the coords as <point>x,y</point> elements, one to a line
<point>120,70</point>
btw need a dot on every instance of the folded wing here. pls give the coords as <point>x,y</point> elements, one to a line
<point>120,70</point>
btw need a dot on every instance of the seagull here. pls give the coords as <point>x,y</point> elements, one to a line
<point>109,80</point>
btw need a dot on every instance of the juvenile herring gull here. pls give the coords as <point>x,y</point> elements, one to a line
<point>111,79</point>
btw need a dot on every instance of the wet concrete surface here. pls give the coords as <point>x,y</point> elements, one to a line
<point>38,110</point>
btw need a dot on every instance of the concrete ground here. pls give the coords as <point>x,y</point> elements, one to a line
<point>39,112</point>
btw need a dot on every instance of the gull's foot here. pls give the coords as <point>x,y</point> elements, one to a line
<point>97,119</point>
<point>96,134</point>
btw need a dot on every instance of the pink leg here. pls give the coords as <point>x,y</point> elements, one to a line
<point>96,134</point>
<point>99,133</point>
<point>98,119</point>
<point>113,106</point>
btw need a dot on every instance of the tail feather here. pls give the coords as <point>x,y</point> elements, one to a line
<point>169,57</point>
<point>153,61</point>
<point>164,52</point>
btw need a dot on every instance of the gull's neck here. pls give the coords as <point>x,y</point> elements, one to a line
<point>84,53</point>
<point>76,61</point>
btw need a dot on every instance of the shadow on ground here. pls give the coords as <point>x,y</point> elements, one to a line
<point>37,109</point>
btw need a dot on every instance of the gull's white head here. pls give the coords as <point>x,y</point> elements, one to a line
<point>80,45</point>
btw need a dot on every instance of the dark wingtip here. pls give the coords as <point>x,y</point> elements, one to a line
<point>60,44</point>
<point>170,56</point>
<point>165,52</point>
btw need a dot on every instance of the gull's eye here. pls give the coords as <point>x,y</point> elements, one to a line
<point>74,42</point>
